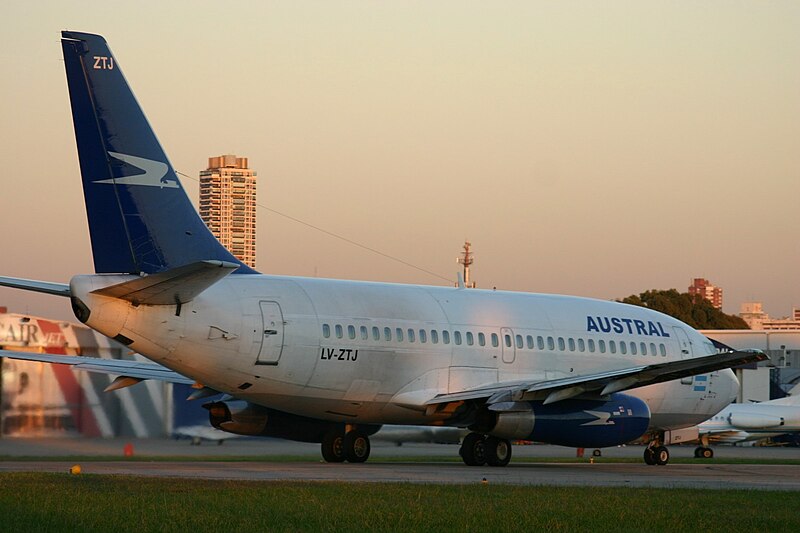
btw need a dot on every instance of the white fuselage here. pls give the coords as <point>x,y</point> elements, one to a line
<point>741,422</point>
<point>370,352</point>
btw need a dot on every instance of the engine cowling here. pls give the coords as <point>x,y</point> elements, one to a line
<point>245,418</point>
<point>577,423</point>
<point>756,421</point>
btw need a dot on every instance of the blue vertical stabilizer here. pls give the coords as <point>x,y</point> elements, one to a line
<point>140,218</point>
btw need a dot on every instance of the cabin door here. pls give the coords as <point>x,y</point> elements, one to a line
<point>271,334</point>
<point>685,346</point>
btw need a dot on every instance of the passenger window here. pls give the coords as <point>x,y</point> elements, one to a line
<point>326,330</point>
<point>581,345</point>
<point>602,345</point>
<point>364,335</point>
<point>529,341</point>
<point>445,336</point>
<point>457,337</point>
<point>519,341</point>
<point>633,348</point>
<point>399,334</point>
<point>481,339</point>
<point>434,336</point>
<point>643,346</point>
<point>663,350</point>
<point>561,345</point>
<point>376,333</point>
<point>653,349</point>
<point>591,345</point>
<point>387,334</point>
<point>612,346</point>
<point>571,344</point>
<point>551,344</point>
<point>540,342</point>
<point>495,340</point>
<point>623,348</point>
<point>470,339</point>
<point>351,332</point>
<point>339,333</point>
<point>507,338</point>
<point>423,336</point>
<point>410,335</point>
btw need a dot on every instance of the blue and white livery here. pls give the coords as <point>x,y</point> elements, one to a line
<point>331,361</point>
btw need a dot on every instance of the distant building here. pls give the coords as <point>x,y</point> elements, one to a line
<point>228,204</point>
<point>757,319</point>
<point>705,289</point>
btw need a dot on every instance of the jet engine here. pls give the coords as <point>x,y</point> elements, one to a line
<point>245,418</point>
<point>585,423</point>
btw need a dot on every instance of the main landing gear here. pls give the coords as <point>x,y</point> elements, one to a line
<point>351,445</point>
<point>479,450</point>
<point>704,452</point>
<point>656,454</point>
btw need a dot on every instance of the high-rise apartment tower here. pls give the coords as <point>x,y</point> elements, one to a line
<point>703,288</point>
<point>228,204</point>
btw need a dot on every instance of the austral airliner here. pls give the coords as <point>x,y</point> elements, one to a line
<point>330,361</point>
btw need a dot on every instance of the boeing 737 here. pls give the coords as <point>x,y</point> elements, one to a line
<point>330,361</point>
<point>741,422</point>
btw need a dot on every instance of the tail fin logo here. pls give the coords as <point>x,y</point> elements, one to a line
<point>153,176</point>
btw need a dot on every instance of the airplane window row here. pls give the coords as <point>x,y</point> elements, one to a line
<point>530,342</point>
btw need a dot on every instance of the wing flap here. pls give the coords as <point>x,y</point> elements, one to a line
<point>177,285</point>
<point>601,383</point>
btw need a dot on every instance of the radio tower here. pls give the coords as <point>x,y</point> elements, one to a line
<point>467,259</point>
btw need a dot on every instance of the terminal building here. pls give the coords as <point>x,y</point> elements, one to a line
<point>41,399</point>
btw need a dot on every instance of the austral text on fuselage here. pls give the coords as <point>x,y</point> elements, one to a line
<point>603,324</point>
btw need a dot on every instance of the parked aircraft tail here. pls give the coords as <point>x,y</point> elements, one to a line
<point>140,218</point>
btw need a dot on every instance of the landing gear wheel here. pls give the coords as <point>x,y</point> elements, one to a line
<point>333,447</point>
<point>698,452</point>
<point>649,456</point>
<point>661,455</point>
<point>597,453</point>
<point>498,451</point>
<point>473,450</point>
<point>707,453</point>
<point>356,447</point>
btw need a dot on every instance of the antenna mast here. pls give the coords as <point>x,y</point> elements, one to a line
<point>466,259</point>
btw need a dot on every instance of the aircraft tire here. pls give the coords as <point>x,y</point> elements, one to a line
<point>356,447</point>
<point>707,453</point>
<point>498,451</point>
<point>333,447</point>
<point>649,456</point>
<point>661,454</point>
<point>698,452</point>
<point>473,450</point>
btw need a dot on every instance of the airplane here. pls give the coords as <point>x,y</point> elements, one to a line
<point>741,422</point>
<point>330,361</point>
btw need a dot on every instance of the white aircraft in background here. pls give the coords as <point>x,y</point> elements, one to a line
<point>330,361</point>
<point>740,422</point>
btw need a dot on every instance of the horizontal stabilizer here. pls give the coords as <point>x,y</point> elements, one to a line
<point>122,367</point>
<point>177,285</point>
<point>601,383</point>
<point>57,289</point>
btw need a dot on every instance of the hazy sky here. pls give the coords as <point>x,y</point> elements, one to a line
<point>589,148</point>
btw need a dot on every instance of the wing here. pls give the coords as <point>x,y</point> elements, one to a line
<point>129,372</point>
<point>601,383</point>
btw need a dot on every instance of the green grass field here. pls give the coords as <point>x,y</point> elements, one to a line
<point>60,502</point>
